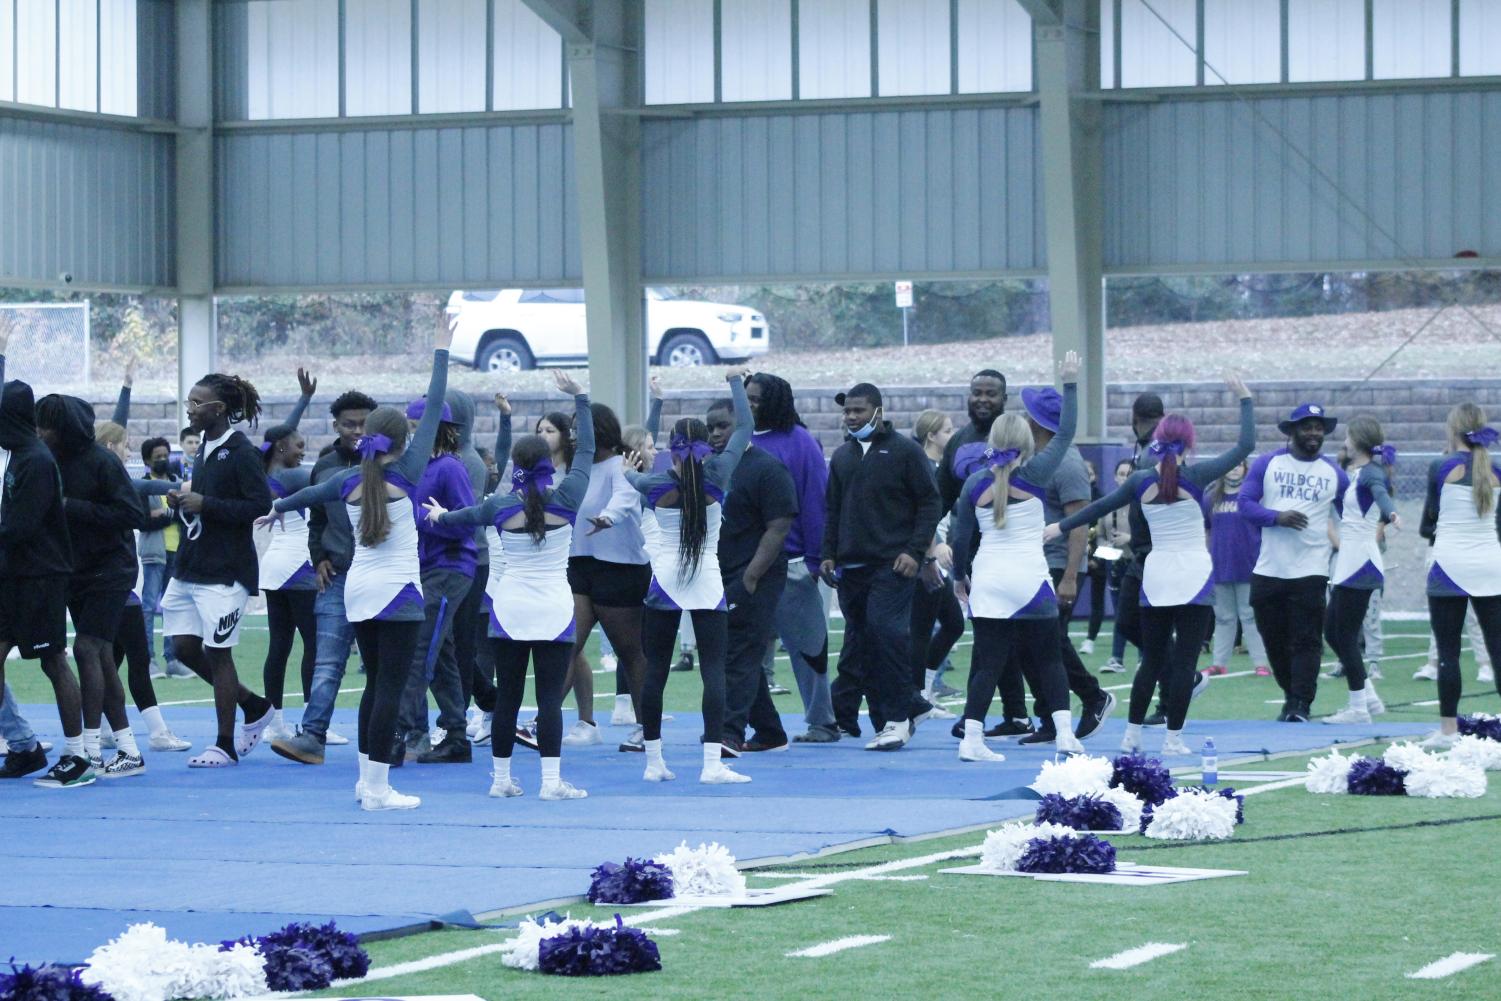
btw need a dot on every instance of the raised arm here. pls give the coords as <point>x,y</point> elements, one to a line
<point>307,386</point>
<point>570,493</point>
<point>122,403</point>
<point>1204,473</point>
<point>420,445</point>
<point>502,432</point>
<point>653,423</point>
<point>1113,501</point>
<point>719,468</point>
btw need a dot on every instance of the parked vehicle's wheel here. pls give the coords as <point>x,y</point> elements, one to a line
<point>506,353</point>
<point>686,349</point>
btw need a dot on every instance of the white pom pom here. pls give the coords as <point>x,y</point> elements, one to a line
<point>1477,751</point>
<point>144,965</point>
<point>1407,757</point>
<point>1077,775</point>
<point>522,952</point>
<point>1128,805</point>
<point>1443,778</point>
<point>1330,773</point>
<point>1008,843</point>
<point>705,871</point>
<point>1193,815</point>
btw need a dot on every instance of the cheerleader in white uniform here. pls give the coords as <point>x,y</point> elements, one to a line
<point>531,606</point>
<point>1001,573</point>
<point>1358,568</point>
<point>383,589</point>
<point>1466,518</point>
<point>688,503</point>
<point>1177,583</point>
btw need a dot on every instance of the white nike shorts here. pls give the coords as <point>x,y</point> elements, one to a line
<point>212,612</point>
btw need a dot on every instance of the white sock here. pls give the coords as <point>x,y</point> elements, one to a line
<point>974,730</point>
<point>276,721</point>
<point>1175,735</point>
<point>364,766</point>
<point>377,778</point>
<point>711,755</point>
<point>73,746</point>
<point>552,771</point>
<point>928,679</point>
<point>125,740</point>
<point>91,742</point>
<point>654,752</point>
<point>154,721</point>
<point>621,701</point>
<point>500,768</point>
<point>1133,732</point>
<point>1358,699</point>
<point>1063,722</point>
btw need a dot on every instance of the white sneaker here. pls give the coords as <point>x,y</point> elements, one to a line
<point>1087,647</point>
<point>359,791</point>
<point>1428,672</point>
<point>123,765</point>
<point>1486,675</point>
<point>582,735</point>
<point>658,773</point>
<point>1113,666</point>
<point>1373,671</point>
<point>608,662</point>
<point>504,789</point>
<point>561,790</point>
<point>388,800</point>
<point>891,738</point>
<point>168,741</point>
<point>471,722</point>
<point>1348,715</point>
<point>334,738</point>
<point>482,732</point>
<point>721,774</point>
<point>1130,745</point>
<point>1174,745</point>
<point>1067,743</point>
<point>1438,740</point>
<point>1373,703</point>
<point>939,712</point>
<point>278,730</point>
<point>156,671</point>
<point>977,751</point>
<point>435,736</point>
<point>623,715</point>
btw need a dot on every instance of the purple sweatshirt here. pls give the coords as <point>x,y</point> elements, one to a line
<point>801,453</point>
<point>1234,542</point>
<point>447,547</point>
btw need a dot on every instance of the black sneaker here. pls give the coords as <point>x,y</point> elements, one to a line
<point>527,737</point>
<point>1158,718</point>
<point>957,730</point>
<point>19,763</point>
<point>946,692</point>
<point>685,662</point>
<point>1006,728</point>
<point>635,743</point>
<point>70,772</point>
<point>1045,735</point>
<point>1094,716</point>
<point>729,747</point>
<point>1298,712</point>
<point>453,749</point>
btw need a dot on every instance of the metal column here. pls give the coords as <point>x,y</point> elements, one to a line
<point>196,349</point>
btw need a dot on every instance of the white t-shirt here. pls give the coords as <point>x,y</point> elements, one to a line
<point>1279,481</point>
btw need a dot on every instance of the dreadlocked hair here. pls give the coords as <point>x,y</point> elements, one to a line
<point>1010,431</point>
<point>1174,429</point>
<point>529,450</point>
<point>692,498</point>
<point>270,438</point>
<point>564,423</point>
<point>777,411</point>
<point>1464,418</point>
<point>375,520</point>
<point>242,404</point>
<point>447,441</point>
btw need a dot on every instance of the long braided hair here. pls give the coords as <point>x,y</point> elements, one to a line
<point>691,496</point>
<point>777,410</point>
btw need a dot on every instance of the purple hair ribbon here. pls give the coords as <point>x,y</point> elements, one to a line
<point>999,460</point>
<point>1386,453</point>
<point>267,446</point>
<point>1158,447</point>
<point>683,449</point>
<point>372,445</point>
<point>536,479</point>
<point>1484,437</point>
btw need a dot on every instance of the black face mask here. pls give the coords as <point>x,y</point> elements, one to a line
<point>160,467</point>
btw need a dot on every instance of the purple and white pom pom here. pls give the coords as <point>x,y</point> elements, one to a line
<point>1329,774</point>
<point>47,982</point>
<point>1077,775</point>
<point>1193,815</point>
<point>1083,813</point>
<point>599,950</point>
<point>1445,778</point>
<point>1477,751</point>
<point>1407,757</point>
<point>1375,778</point>
<point>142,964</point>
<point>1129,806</point>
<point>635,882</point>
<point>1007,844</point>
<point>1143,777</point>
<point>705,871</point>
<point>1484,725</point>
<point>521,952</point>
<point>1067,853</point>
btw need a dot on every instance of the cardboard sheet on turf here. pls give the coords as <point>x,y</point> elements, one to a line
<point>1125,874</point>
<point>751,898</point>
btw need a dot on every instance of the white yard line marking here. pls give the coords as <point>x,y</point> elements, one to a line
<point>1450,965</point>
<point>1269,786</point>
<point>838,945</point>
<point>1137,956</point>
<point>808,875</point>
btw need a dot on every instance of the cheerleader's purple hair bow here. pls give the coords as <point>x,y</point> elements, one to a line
<point>1484,437</point>
<point>1387,454</point>
<point>1166,447</point>
<point>536,479</point>
<point>267,446</point>
<point>372,445</point>
<point>684,449</point>
<point>1000,460</point>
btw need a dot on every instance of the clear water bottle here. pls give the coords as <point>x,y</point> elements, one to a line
<point>1210,762</point>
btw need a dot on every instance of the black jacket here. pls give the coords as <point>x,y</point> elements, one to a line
<point>880,503</point>
<point>221,550</point>
<point>330,536</point>
<point>33,528</point>
<point>101,503</point>
<point>948,481</point>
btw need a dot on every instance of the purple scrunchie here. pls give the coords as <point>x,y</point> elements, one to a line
<point>684,449</point>
<point>372,445</point>
<point>1157,447</point>
<point>536,479</point>
<point>1000,460</point>
<point>267,446</point>
<point>1386,453</point>
<point>1485,437</point>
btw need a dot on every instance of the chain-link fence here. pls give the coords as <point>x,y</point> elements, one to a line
<point>49,343</point>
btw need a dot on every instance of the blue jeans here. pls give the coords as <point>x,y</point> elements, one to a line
<point>802,622</point>
<point>13,726</point>
<point>153,584</point>
<point>335,637</point>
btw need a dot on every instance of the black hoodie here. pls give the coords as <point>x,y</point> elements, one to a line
<point>33,528</point>
<point>102,505</point>
<point>221,550</point>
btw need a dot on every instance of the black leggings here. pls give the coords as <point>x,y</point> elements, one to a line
<point>659,640</point>
<point>929,649</point>
<point>288,612</point>
<point>1099,576</point>
<point>551,660</point>
<point>386,649</point>
<point>1033,643</point>
<point>1172,639</point>
<point>1342,624</point>
<point>133,649</point>
<point>1448,618</point>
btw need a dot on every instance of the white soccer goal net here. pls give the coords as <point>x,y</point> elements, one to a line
<point>49,343</point>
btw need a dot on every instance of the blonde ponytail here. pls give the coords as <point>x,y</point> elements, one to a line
<point>1465,420</point>
<point>1009,433</point>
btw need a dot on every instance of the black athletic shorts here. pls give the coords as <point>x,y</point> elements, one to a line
<point>610,585</point>
<point>34,615</point>
<point>96,608</point>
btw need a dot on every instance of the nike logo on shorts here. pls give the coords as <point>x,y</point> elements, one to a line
<point>226,627</point>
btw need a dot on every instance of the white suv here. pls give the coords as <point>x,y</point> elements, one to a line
<point>514,329</point>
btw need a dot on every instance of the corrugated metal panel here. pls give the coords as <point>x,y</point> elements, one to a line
<point>96,203</point>
<point>1205,183</point>
<point>871,193</point>
<point>463,206</point>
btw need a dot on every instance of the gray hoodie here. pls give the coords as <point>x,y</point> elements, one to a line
<point>461,404</point>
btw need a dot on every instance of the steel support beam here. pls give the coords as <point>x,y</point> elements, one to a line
<point>1045,13</point>
<point>570,18</point>
<point>196,347</point>
<point>1068,66</point>
<point>605,72</point>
